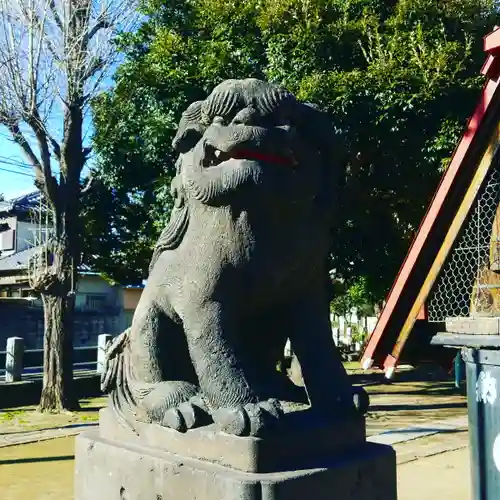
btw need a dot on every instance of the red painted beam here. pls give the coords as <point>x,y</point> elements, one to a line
<point>492,42</point>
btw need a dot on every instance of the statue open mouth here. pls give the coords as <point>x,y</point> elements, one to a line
<point>248,154</point>
<point>214,156</point>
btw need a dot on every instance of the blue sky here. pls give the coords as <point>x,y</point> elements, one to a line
<point>16,176</point>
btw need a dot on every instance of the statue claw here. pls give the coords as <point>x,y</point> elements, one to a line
<point>251,419</point>
<point>186,416</point>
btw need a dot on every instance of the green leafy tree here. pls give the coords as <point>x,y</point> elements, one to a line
<point>399,79</point>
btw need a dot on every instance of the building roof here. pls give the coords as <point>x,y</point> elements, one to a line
<point>20,204</point>
<point>18,261</point>
<point>441,225</point>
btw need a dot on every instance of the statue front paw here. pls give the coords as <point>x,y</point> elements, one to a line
<point>251,419</point>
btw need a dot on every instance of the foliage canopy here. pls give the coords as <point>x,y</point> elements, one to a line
<point>399,79</point>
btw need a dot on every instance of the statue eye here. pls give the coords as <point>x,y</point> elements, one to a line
<point>187,140</point>
<point>246,116</point>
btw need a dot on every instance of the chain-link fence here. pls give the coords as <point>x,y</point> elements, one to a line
<point>467,283</point>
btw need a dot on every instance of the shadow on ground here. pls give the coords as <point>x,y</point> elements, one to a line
<point>32,460</point>
<point>409,407</point>
<point>438,381</point>
<point>419,430</point>
<point>70,426</point>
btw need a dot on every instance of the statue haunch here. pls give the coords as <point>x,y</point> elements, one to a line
<point>240,268</point>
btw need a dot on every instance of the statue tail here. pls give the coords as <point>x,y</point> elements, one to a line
<point>127,392</point>
<point>117,380</point>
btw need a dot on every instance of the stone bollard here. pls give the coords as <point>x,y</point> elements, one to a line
<point>102,341</point>
<point>14,359</point>
<point>335,335</point>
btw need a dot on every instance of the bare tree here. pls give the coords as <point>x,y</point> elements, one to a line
<point>54,57</point>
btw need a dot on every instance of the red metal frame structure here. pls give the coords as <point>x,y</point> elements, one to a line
<point>402,307</point>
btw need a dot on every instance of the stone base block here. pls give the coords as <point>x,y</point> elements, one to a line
<point>108,470</point>
<point>300,438</point>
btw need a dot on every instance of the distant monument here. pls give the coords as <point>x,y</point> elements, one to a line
<point>197,408</point>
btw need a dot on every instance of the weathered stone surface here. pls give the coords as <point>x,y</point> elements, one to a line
<point>298,439</point>
<point>240,268</point>
<point>107,470</point>
<point>473,326</point>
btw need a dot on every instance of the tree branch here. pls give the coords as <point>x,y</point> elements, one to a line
<point>101,24</point>
<point>21,141</point>
<point>36,124</point>
<point>57,18</point>
<point>42,167</point>
<point>51,48</point>
<point>55,146</point>
<point>96,65</point>
<point>88,185</point>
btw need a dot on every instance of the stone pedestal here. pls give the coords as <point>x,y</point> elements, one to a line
<point>312,461</point>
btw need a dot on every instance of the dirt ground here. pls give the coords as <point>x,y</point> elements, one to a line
<point>38,471</point>
<point>447,476</point>
<point>409,402</point>
<point>26,419</point>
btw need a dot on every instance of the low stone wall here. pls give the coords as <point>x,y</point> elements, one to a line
<point>27,392</point>
<point>19,320</point>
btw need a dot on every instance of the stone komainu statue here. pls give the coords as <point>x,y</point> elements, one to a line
<point>240,268</point>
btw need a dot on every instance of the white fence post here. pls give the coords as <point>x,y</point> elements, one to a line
<point>14,359</point>
<point>102,341</point>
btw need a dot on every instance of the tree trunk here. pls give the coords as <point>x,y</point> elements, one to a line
<point>58,302</point>
<point>57,282</point>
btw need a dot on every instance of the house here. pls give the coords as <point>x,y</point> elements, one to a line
<point>131,297</point>
<point>451,272</point>
<point>100,307</point>
<point>98,304</point>
<point>19,229</point>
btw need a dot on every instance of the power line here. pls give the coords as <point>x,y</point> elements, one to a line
<point>18,173</point>
<point>14,163</point>
<point>20,163</point>
<point>82,179</point>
